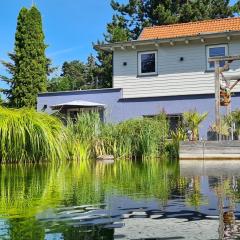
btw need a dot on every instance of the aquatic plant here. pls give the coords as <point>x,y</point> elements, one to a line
<point>192,120</point>
<point>30,136</point>
<point>135,138</point>
<point>82,135</point>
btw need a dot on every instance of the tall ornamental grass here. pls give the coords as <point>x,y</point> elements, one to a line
<point>30,136</point>
<point>82,135</point>
<point>133,138</point>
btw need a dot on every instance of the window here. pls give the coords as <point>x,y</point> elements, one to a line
<point>216,51</point>
<point>147,63</point>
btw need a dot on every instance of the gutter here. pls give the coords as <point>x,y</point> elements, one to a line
<point>134,43</point>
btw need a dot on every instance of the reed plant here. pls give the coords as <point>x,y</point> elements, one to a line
<point>82,135</point>
<point>30,136</point>
<point>135,138</point>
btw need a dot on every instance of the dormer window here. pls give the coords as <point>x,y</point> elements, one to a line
<point>147,63</point>
<point>216,51</point>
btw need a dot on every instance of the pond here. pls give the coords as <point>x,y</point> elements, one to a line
<point>126,200</point>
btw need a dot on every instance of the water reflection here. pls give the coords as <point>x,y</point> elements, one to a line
<point>155,199</point>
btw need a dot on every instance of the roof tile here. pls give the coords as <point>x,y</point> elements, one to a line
<point>191,28</point>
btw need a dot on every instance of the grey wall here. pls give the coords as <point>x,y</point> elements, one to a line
<point>119,109</point>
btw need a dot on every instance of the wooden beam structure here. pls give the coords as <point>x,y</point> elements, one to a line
<point>217,100</point>
<point>218,73</point>
<point>227,58</point>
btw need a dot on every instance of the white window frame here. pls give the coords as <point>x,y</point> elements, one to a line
<point>215,46</point>
<point>140,64</point>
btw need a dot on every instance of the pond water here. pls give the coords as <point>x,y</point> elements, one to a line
<point>125,200</point>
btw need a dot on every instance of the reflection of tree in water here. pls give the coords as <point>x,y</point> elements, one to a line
<point>28,190</point>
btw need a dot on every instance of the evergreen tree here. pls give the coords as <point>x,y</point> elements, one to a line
<point>56,84</point>
<point>90,72</point>
<point>74,72</point>
<point>29,66</point>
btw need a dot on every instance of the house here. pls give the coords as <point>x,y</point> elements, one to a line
<point>166,68</point>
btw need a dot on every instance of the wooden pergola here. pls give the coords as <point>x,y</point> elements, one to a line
<point>218,74</point>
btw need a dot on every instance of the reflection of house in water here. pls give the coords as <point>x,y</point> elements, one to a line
<point>222,179</point>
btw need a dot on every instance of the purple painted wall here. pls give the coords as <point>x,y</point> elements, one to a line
<point>118,109</point>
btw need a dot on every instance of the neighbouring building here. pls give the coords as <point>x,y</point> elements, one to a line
<point>166,68</point>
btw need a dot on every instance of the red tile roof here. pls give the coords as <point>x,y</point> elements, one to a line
<point>191,29</point>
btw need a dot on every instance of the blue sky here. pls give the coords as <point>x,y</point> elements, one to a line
<point>70,26</point>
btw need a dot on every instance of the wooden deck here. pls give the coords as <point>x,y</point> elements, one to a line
<point>210,150</point>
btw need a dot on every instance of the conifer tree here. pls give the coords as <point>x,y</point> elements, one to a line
<point>29,64</point>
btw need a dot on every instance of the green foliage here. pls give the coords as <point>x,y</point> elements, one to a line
<point>29,66</point>
<point>173,145</point>
<point>82,135</point>
<point>133,138</point>
<point>30,136</point>
<point>192,120</point>
<point>74,72</point>
<point>58,84</point>
<point>75,75</point>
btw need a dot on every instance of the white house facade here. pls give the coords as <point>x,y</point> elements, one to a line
<point>167,68</point>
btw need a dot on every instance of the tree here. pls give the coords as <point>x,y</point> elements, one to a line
<point>90,72</point>
<point>29,66</point>
<point>74,72</point>
<point>75,75</point>
<point>56,84</point>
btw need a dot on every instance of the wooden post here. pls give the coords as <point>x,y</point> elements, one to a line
<point>217,100</point>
